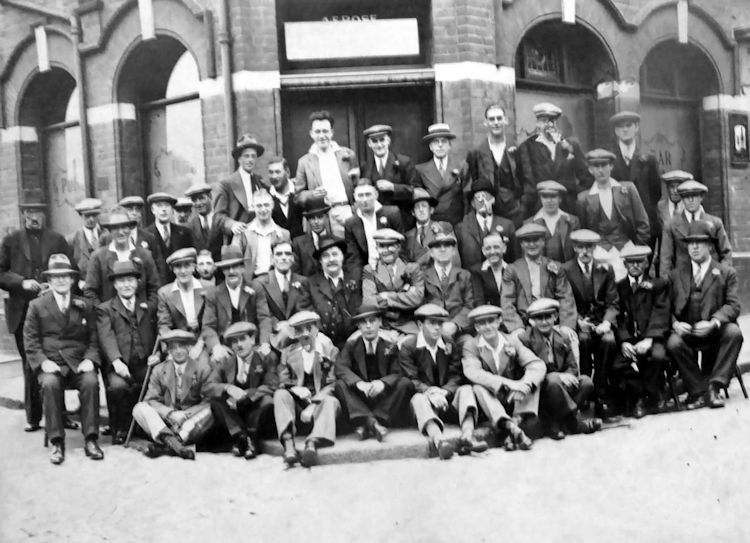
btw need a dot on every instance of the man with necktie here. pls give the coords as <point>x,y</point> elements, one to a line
<point>203,224</point>
<point>169,236</point>
<point>86,239</point>
<point>417,239</point>
<point>558,223</point>
<point>315,212</point>
<point>181,301</point>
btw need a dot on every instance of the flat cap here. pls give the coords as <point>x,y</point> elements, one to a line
<point>625,116</point>
<point>699,231</point>
<point>531,230</point>
<point>183,203</point>
<point>230,255</point>
<point>676,176</point>
<point>240,329</point>
<point>303,317</point>
<point>691,187</point>
<point>197,188</point>
<point>546,109</point>
<point>485,311</point>
<point>550,187</point>
<point>325,243</point>
<point>438,130</point>
<point>377,130</point>
<point>542,306</point>
<point>635,252</point>
<point>89,206</point>
<point>387,235</point>
<point>364,311</point>
<point>123,269</point>
<point>180,255</point>
<point>585,236</point>
<point>178,336</point>
<point>421,195</point>
<point>161,197</point>
<point>442,232</point>
<point>431,311</point>
<point>600,155</point>
<point>130,201</point>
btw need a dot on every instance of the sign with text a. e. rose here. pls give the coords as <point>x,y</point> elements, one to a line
<point>355,36</point>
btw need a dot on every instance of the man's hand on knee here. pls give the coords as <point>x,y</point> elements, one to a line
<point>50,367</point>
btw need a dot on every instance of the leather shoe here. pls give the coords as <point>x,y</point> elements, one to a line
<point>379,431</point>
<point>291,456</point>
<point>714,399</point>
<point>251,451</point>
<point>508,444</point>
<point>695,402</point>
<point>639,411</point>
<point>70,424</point>
<point>92,450</point>
<point>309,454</point>
<point>589,426</point>
<point>444,449</point>
<point>521,440</point>
<point>31,427</point>
<point>238,448</point>
<point>361,433</point>
<point>469,444</point>
<point>57,456</point>
<point>119,437</point>
<point>155,450</point>
<point>555,432</point>
<point>176,446</point>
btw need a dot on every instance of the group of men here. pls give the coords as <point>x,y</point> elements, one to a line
<point>520,286</point>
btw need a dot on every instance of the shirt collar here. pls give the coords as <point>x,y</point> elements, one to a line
<point>481,342</point>
<point>595,187</point>
<point>583,266</point>
<point>245,175</point>
<point>422,342</point>
<point>235,289</point>
<point>448,268</point>
<point>701,268</point>
<point>374,217</point>
<point>256,227</point>
<point>540,214</point>
<point>627,150</point>
<point>332,148</point>
<point>486,265</point>
<point>131,246</point>
<point>282,195</point>
<point>196,284</point>
<point>339,277</point>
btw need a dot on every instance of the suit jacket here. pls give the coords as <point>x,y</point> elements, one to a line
<point>145,240</point>
<point>357,253</point>
<point>508,185</point>
<point>217,313</point>
<point>674,253</point>
<point>335,321</point>
<point>645,312</point>
<point>626,208</point>
<point>719,296</point>
<point>82,249</point>
<point>413,251</point>
<point>470,238</point>
<point>297,300</point>
<point>404,292</point>
<point>16,266</point>
<point>164,395</point>
<point>248,243</point>
<point>451,193</point>
<point>262,377</point>
<point>66,339</point>
<point>563,356</point>
<point>99,288</point>
<point>605,304</point>
<point>180,237</point>
<point>292,367</point>
<point>350,366</point>
<point>643,171</point>
<point>516,293</point>
<point>486,289</point>
<point>212,239</point>
<point>292,221</point>
<point>230,201</point>
<point>418,366</point>
<point>457,297</point>
<point>566,224</point>
<point>305,262</point>
<point>171,311</point>
<point>128,337</point>
<point>308,174</point>
<point>399,170</point>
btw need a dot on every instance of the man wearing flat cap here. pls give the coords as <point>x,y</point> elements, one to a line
<point>315,211</point>
<point>233,203</point>
<point>62,349</point>
<point>370,385</point>
<point>505,375</point>
<point>392,285</point>
<point>183,209</point>
<point>181,301</point>
<point>559,224</point>
<point>125,326</point>
<point>204,224</point>
<point>133,207</point>
<point>443,176</point>
<point>241,390</point>
<point>394,174</point>
<point>305,393</point>
<point>669,206</point>
<point>546,155</point>
<point>705,305</point>
<point>174,412</point>
<point>24,254</point>
<point>86,240</point>
<point>169,237</point>
<point>674,250</point>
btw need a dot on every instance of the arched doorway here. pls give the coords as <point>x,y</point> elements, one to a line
<point>50,103</point>
<point>562,64</point>
<point>160,77</point>
<point>674,78</point>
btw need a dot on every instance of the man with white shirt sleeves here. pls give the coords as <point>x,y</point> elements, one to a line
<point>255,242</point>
<point>326,171</point>
<point>86,240</point>
<point>559,224</point>
<point>181,301</point>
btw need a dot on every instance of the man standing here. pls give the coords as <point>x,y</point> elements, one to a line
<point>86,240</point>
<point>286,212</point>
<point>558,223</point>
<point>671,205</point>
<point>326,171</point>
<point>255,242</point>
<point>23,255</point>
<point>494,161</point>
<point>203,225</point>
<point>183,208</point>
<point>488,277</point>
<point>133,206</point>
<point>169,236</point>
<point>60,339</point>
<point>304,246</point>
<point>423,207</point>
<point>181,301</point>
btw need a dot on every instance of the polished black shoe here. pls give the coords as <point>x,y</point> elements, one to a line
<point>361,433</point>
<point>57,456</point>
<point>238,448</point>
<point>445,449</point>
<point>251,449</point>
<point>379,431</point>
<point>468,444</point>
<point>291,456</point>
<point>589,426</point>
<point>32,427</point>
<point>155,450</point>
<point>70,424</point>
<point>555,432</point>
<point>714,399</point>
<point>520,439</point>
<point>695,402</point>
<point>119,437</point>
<point>175,445</point>
<point>309,454</point>
<point>508,444</point>
<point>639,411</point>
<point>92,450</point>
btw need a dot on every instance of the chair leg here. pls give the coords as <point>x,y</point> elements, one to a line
<point>738,374</point>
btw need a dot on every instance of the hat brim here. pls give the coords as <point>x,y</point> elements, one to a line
<point>543,312</point>
<point>430,200</point>
<point>701,237</point>
<point>129,224</point>
<point>63,271</point>
<point>318,211</point>
<point>434,242</point>
<point>229,262</point>
<point>193,259</point>
<point>447,135</point>
<point>237,151</point>
<point>304,322</point>
<point>433,317</point>
<point>112,276</point>
<point>340,244</point>
<point>361,316</point>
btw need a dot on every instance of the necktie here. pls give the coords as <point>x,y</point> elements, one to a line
<point>203,226</point>
<point>63,307</point>
<point>588,270</point>
<point>693,215</point>
<point>178,376</point>
<point>370,348</point>
<point>420,234</point>
<point>550,354</point>
<point>442,167</point>
<point>242,374</point>
<point>380,167</point>
<point>697,276</point>
<point>443,274</point>
<point>166,236</point>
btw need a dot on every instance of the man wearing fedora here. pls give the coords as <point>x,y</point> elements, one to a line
<point>133,206</point>
<point>23,256</point>
<point>305,393</point>
<point>169,236</point>
<point>705,305</point>
<point>443,176</point>
<point>233,202</point>
<point>559,224</point>
<point>315,211</point>
<point>86,239</point>
<point>241,390</point>
<point>62,349</point>
<point>286,212</point>
<point>393,173</point>
<point>418,238</point>
<point>487,278</point>
<point>181,301</point>
<point>126,332</point>
<point>326,171</point>
<point>204,224</point>
<point>233,300</point>
<point>547,155</point>
<point>493,160</point>
<point>369,384</point>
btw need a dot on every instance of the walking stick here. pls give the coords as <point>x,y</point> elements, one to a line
<point>143,389</point>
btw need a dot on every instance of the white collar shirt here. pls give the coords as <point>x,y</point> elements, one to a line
<point>188,300</point>
<point>605,195</point>
<point>699,270</point>
<point>234,295</point>
<point>675,209</point>
<point>627,150</point>
<point>497,273</point>
<point>440,270</point>
<point>549,144</point>
<point>535,276</point>
<point>63,301</point>
<point>550,221</point>
<point>497,149</point>
<point>283,279</point>
<point>330,174</point>
<point>497,352</point>
<point>206,220</point>
<point>122,256</point>
<point>129,305</point>
<point>247,183</point>
<point>264,237</point>
<point>371,225</point>
<point>336,281</point>
<point>283,198</point>
<point>690,217</point>
<point>432,349</point>
<point>92,236</point>
<point>179,373</point>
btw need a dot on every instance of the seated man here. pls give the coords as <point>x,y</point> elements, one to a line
<point>173,411</point>
<point>181,301</point>
<point>397,288</point>
<point>705,306</point>
<point>205,268</point>
<point>126,336</point>
<point>61,348</point>
<point>369,381</point>
<point>506,376</point>
<point>241,389</point>
<point>260,233</point>
<point>564,390</point>
<point>488,277</point>
<point>642,326</point>
<point>434,367</point>
<point>557,222</point>
<point>305,393</point>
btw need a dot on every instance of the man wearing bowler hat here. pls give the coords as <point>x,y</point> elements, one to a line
<point>559,224</point>
<point>169,236</point>
<point>23,256</point>
<point>369,383</point>
<point>181,301</point>
<point>315,212</point>
<point>86,239</point>
<point>62,349</point>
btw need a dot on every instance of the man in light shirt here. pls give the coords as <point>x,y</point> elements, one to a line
<point>181,301</point>
<point>559,224</point>
<point>255,242</point>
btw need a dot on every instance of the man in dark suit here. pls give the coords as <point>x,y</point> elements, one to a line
<point>480,222</point>
<point>86,239</point>
<point>23,255</point>
<point>495,161</point>
<point>286,212</point>
<point>126,331</point>
<point>394,174</point>
<point>643,324</point>
<point>359,229</point>
<point>204,224</point>
<point>558,223</point>
<point>61,344</point>
<point>304,246</point>
<point>705,306</point>
<point>233,201</point>
<point>488,277</point>
<point>547,155</point>
<point>241,390</point>
<point>632,164</point>
<point>668,207</point>
<point>181,301</point>
<point>169,236</point>
<point>133,207</point>
<point>369,382</point>
<point>442,176</point>
<point>335,294</point>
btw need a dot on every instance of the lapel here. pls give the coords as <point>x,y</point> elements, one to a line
<point>524,277</point>
<point>562,227</point>
<point>222,296</point>
<point>488,361</point>
<point>593,204</point>
<point>576,278</point>
<point>488,160</point>
<point>390,171</point>
<point>238,188</point>
<point>244,298</point>
<point>442,364</point>
<point>433,181</point>
<point>635,164</point>
<point>708,279</point>
<point>358,229</point>
<point>187,377</point>
<point>314,169</point>
<point>681,224</point>
<point>430,276</point>
<point>360,353</point>
<point>230,369</point>
<point>274,290</point>
<point>295,363</point>
<point>683,289</point>
<point>120,308</point>
<point>381,273</point>
<point>619,201</point>
<point>544,277</point>
<point>324,286</point>
<point>55,311</point>
<point>170,383</point>
<point>317,371</point>
<point>176,299</point>
<point>473,228</point>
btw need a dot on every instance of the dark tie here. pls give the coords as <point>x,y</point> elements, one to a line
<point>204,226</point>
<point>443,274</point>
<point>587,271</point>
<point>166,237</point>
<point>420,234</point>
<point>694,219</point>
<point>550,352</point>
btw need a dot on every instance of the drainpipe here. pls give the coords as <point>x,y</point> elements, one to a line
<point>88,178</point>
<point>225,43</point>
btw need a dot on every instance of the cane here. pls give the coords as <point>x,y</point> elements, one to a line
<point>143,389</point>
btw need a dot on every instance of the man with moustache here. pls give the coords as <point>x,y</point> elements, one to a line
<point>286,212</point>
<point>183,208</point>
<point>205,268</point>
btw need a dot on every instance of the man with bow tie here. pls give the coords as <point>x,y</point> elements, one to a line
<point>181,301</point>
<point>241,390</point>
<point>315,211</point>
<point>125,325</point>
<point>86,239</point>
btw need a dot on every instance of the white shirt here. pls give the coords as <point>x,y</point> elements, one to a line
<point>634,282</point>
<point>605,195</point>
<point>380,164</point>
<point>583,267</point>
<point>689,216</point>
<point>699,270</point>
<point>550,221</point>
<point>498,150</point>
<point>206,220</point>
<point>535,275</point>
<point>122,256</point>
<point>248,185</point>
<point>179,373</point>
<point>308,359</point>
<point>188,300</point>
<point>128,304</point>
<point>243,369</point>
<point>264,237</point>
<point>63,301</point>
<point>234,295</point>
<point>422,343</point>
<point>330,174</point>
<point>496,351</point>
<point>283,199</point>
<point>335,280</point>
<point>283,279</point>
<point>497,273</point>
<point>484,222</point>
<point>164,230</point>
<point>627,151</point>
<point>551,145</point>
<point>370,346</point>
<point>674,209</point>
<point>441,164</point>
<point>439,270</point>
